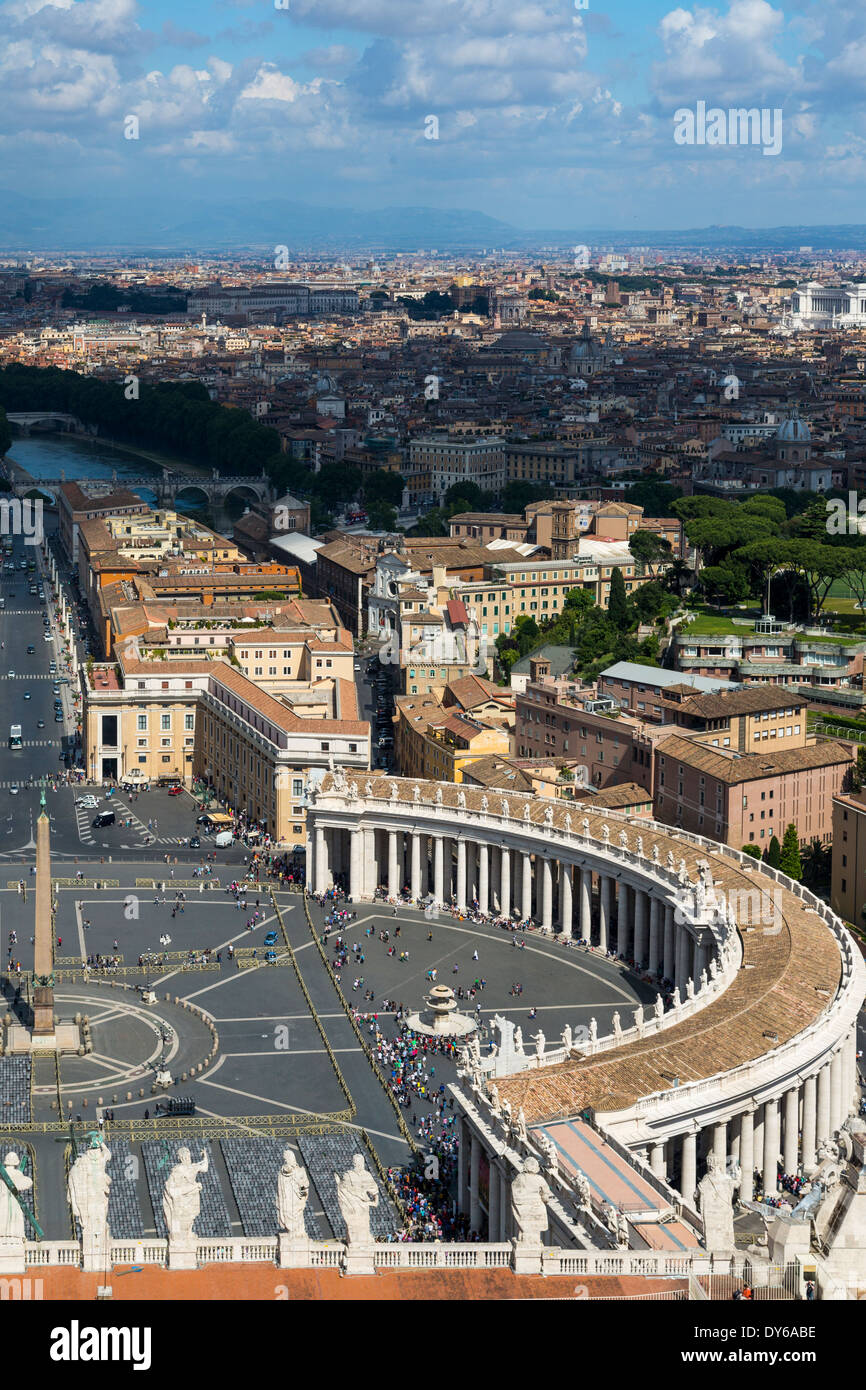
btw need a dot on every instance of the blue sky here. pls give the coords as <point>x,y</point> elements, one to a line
<point>548,115</point>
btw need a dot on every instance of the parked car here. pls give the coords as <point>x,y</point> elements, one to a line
<point>194,842</point>
<point>40,723</point>
<point>30,651</point>
<point>89,803</point>
<point>175,790</point>
<point>104,818</point>
<point>271,938</point>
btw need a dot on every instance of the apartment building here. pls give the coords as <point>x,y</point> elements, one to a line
<point>436,741</point>
<point>437,462</point>
<point>848,888</point>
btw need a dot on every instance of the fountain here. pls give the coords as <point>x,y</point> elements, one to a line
<point>441,1019</point>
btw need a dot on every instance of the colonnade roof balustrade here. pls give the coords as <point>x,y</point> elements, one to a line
<point>791,970</point>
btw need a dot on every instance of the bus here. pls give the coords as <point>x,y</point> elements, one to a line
<point>15,736</point>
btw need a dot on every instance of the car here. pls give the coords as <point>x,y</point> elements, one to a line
<point>13,790</point>
<point>175,790</point>
<point>90,803</point>
<point>40,723</point>
<point>202,820</point>
<point>10,674</point>
<point>30,651</point>
<point>46,637</point>
<point>357,665</point>
<point>27,695</point>
<point>58,718</point>
<point>194,842</point>
<point>271,938</point>
<point>104,818</point>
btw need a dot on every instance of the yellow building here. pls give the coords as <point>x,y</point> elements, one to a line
<point>437,743</point>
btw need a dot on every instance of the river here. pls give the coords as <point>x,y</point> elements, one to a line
<point>52,455</point>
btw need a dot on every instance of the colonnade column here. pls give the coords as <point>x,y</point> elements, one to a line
<point>546,894</point>
<point>415,870</point>
<point>810,1121</point>
<point>836,1066</point>
<point>771,1146</point>
<point>624,911</point>
<point>505,881</point>
<point>393,879</point>
<point>461,875</point>
<point>526,895</point>
<point>321,859</point>
<point>655,941</point>
<point>657,1160</point>
<point>474,1164</point>
<point>640,926</point>
<point>369,866</point>
<point>720,1143</point>
<point>585,904</point>
<point>824,1103</point>
<point>438,867</point>
<point>668,957</point>
<point>356,864</point>
<point>565,911</point>
<point>747,1154</point>
<point>852,1089</point>
<point>483,878</point>
<point>605,887</point>
<point>688,1168</point>
<point>493,1203</point>
<point>791,1135</point>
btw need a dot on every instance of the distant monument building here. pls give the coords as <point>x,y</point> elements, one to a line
<point>814,305</point>
<point>589,354</point>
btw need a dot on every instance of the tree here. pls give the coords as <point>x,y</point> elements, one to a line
<point>384,486</point>
<point>465,491</point>
<point>618,607</point>
<point>773,853</point>
<point>790,862</point>
<point>752,850</point>
<point>578,602</point>
<point>656,498</point>
<point>649,548</point>
<point>817,864</point>
<point>381,516</point>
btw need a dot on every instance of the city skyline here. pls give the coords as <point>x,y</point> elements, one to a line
<point>536,117</point>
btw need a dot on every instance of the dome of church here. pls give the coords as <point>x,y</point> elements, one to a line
<point>794,431</point>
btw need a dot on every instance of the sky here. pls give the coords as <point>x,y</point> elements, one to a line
<point>544,114</point>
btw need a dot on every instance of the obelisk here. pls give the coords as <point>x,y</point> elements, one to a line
<point>43,954</point>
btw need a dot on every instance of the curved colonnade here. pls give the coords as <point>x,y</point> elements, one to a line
<point>759,1063</point>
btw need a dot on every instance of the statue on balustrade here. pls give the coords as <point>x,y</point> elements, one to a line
<point>716,1206</point>
<point>11,1213</point>
<point>357,1195</point>
<point>529,1198</point>
<point>181,1202</point>
<point>88,1187</point>
<point>293,1190</point>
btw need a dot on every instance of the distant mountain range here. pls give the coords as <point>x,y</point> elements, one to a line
<point>80,224</point>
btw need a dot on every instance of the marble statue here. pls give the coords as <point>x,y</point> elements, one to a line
<point>11,1214</point>
<point>548,816</point>
<point>522,1132</point>
<point>670,859</point>
<point>690,988</point>
<point>87,1187</point>
<point>529,1197</point>
<point>518,1039</point>
<point>584,825</point>
<point>621,1230</point>
<point>293,1190</point>
<point>605,833</point>
<point>461,801</point>
<point>677,1000</point>
<point>395,791</point>
<point>475,1047</point>
<point>593,1030</point>
<point>659,1007</point>
<point>506,1113</point>
<point>368,788</point>
<point>181,1202</point>
<point>704,979</point>
<point>623,840</point>
<point>716,1206</point>
<point>526,815</point>
<point>638,1021</point>
<point>539,1040</point>
<point>338,779</point>
<point>611,1218</point>
<point>568,822</point>
<point>493,1091</point>
<point>438,796</point>
<point>583,1189</point>
<point>714,968</point>
<point>655,853</point>
<point>616,1025</point>
<point>684,873</point>
<point>640,845</point>
<point>485,805</point>
<point>357,1195</point>
<point>566,1037</point>
<point>504,808</point>
<point>416,792</point>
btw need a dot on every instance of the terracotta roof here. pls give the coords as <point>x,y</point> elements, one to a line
<point>750,699</point>
<point>750,767</point>
<point>625,794</point>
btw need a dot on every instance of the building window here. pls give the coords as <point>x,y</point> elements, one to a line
<point>142,723</point>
